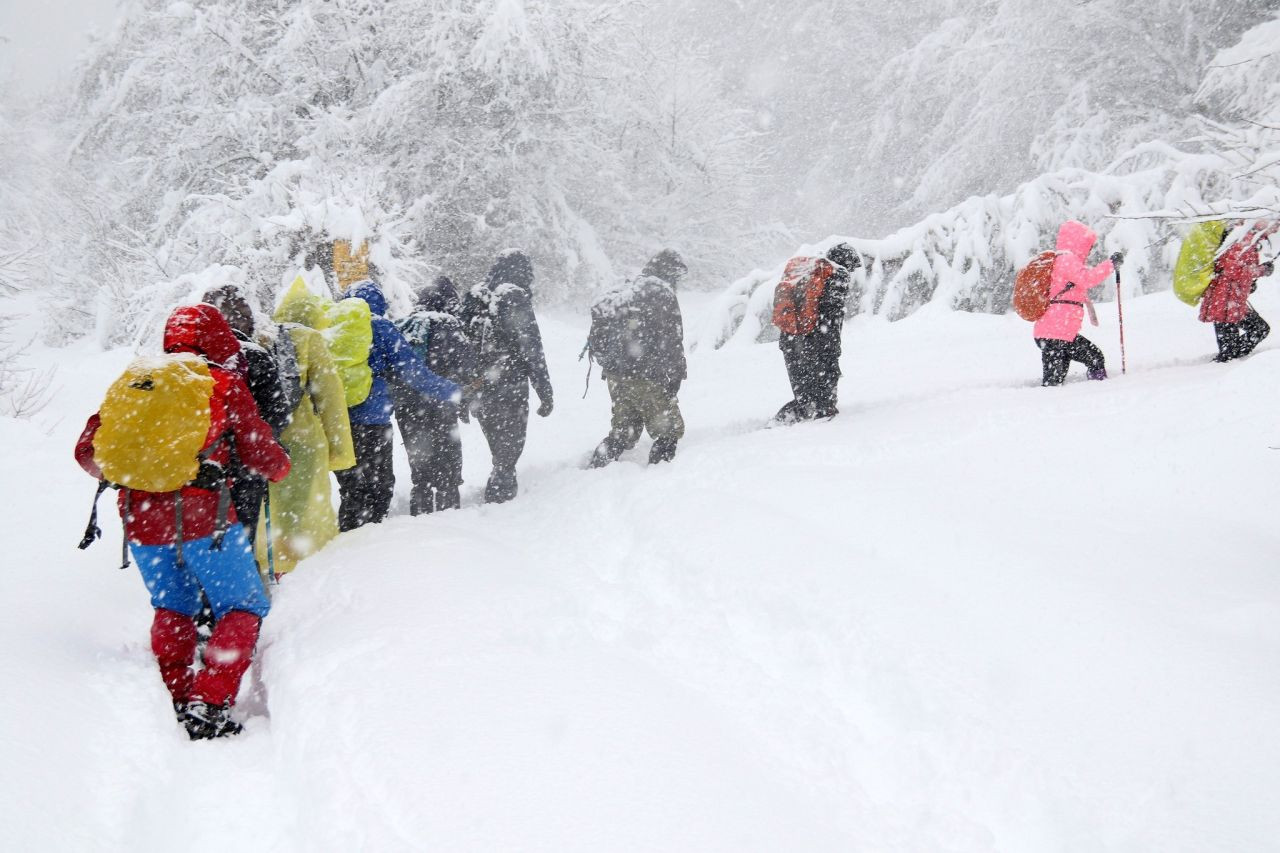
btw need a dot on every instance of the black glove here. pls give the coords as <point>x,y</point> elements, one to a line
<point>1117,258</point>
<point>211,476</point>
<point>1268,268</point>
<point>546,407</point>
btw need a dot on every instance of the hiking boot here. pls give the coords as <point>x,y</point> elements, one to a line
<point>1097,373</point>
<point>206,722</point>
<point>663,450</point>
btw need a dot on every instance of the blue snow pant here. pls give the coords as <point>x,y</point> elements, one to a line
<point>229,576</point>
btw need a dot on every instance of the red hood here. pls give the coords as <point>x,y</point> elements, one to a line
<point>203,330</point>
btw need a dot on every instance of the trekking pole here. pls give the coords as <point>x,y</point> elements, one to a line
<point>271,548</point>
<point>1120,311</point>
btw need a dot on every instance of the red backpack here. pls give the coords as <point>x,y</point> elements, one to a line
<point>1031,287</point>
<point>795,299</point>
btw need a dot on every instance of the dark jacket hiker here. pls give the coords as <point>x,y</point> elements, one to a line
<point>498,315</point>
<point>367,487</point>
<point>259,370</point>
<point>430,427</point>
<point>637,336</point>
<point>813,358</point>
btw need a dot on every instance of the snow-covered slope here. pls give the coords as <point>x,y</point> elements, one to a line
<point>967,614</point>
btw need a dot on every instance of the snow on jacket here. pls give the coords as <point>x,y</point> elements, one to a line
<point>1226,300</point>
<point>500,321</point>
<point>391,357</point>
<point>202,330</point>
<point>637,332</point>
<point>318,439</point>
<point>1070,282</point>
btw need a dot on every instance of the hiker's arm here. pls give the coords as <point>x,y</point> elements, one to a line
<point>408,369</point>
<point>256,445</point>
<point>1093,276</point>
<point>329,401</point>
<point>84,447</point>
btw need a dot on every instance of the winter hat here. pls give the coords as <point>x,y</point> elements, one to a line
<point>230,300</point>
<point>842,254</point>
<point>440,296</point>
<point>666,265</point>
<point>512,267</point>
<point>203,330</point>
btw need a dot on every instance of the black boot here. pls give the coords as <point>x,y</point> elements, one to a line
<point>663,450</point>
<point>606,451</point>
<point>206,722</point>
<point>501,487</point>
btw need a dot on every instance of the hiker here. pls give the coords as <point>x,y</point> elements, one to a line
<point>318,439</point>
<point>1225,303</point>
<point>809,312</point>
<point>429,427</point>
<point>498,315</point>
<point>176,532</point>
<point>366,488</point>
<point>258,368</point>
<point>1057,332</point>
<point>637,337</point>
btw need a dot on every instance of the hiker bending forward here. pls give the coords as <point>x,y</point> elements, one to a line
<point>637,336</point>
<point>1057,332</point>
<point>173,535</point>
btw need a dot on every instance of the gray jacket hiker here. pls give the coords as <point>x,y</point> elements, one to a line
<point>498,315</point>
<point>637,337</point>
<point>428,426</point>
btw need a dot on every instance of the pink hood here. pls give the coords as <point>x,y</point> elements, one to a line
<point>1070,283</point>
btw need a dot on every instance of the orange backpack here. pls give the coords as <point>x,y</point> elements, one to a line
<point>1031,287</point>
<point>795,299</point>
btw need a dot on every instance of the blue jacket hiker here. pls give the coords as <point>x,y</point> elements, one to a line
<point>366,488</point>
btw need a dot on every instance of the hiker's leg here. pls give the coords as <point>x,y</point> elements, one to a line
<point>172,587</point>
<point>1054,360</point>
<point>504,419</point>
<point>226,658</point>
<point>415,432</point>
<point>1254,330</point>
<point>1087,353</point>
<point>382,475</point>
<point>626,422</point>
<point>173,641</point>
<point>664,422</point>
<point>229,575</point>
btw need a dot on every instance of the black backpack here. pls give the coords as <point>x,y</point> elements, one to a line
<point>286,357</point>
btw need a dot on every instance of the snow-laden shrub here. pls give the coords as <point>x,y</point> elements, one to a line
<point>966,258</point>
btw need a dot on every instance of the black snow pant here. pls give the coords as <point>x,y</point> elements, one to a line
<point>430,433</point>
<point>504,420</point>
<point>639,405</point>
<point>366,488</point>
<point>1236,340</point>
<point>813,368</point>
<point>1056,357</point>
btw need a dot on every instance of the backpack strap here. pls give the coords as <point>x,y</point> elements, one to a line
<point>92,532</point>
<point>220,525</point>
<point>124,528</point>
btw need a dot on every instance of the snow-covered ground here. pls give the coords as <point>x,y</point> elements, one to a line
<point>967,614</point>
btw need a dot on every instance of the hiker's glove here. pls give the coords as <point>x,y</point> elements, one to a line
<point>546,407</point>
<point>1267,269</point>
<point>1117,258</point>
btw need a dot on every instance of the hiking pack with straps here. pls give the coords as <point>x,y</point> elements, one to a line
<point>159,424</point>
<point>1031,288</point>
<point>796,297</point>
<point>285,355</point>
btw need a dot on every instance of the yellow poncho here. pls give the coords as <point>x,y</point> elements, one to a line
<point>318,440</point>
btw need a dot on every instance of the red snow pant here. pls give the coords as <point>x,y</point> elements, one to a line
<point>226,656</point>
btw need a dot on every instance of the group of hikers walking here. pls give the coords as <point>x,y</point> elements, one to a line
<point>221,449</point>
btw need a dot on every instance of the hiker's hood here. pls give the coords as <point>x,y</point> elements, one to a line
<point>203,330</point>
<point>1076,238</point>
<point>512,267</point>
<point>369,291</point>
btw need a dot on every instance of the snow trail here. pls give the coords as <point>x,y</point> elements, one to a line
<point>966,614</point>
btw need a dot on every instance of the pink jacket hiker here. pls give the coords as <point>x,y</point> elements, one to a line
<point>1070,283</point>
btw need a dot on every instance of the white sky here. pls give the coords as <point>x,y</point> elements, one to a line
<point>44,37</point>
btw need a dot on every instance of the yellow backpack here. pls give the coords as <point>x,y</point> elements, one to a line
<point>155,421</point>
<point>347,327</point>
<point>1193,273</point>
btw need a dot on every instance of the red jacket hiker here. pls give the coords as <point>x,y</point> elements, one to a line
<point>1227,298</point>
<point>199,329</point>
